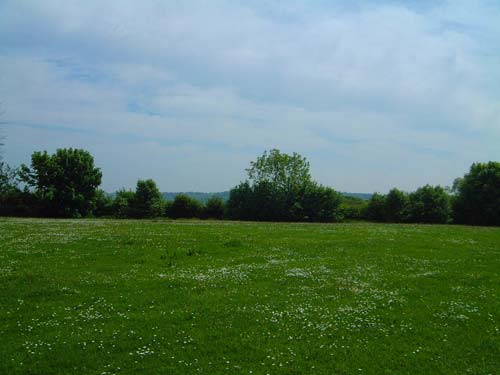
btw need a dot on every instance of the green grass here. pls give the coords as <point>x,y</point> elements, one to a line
<point>187,297</point>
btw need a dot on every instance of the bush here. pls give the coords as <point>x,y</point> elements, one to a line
<point>239,205</point>
<point>430,204</point>
<point>321,203</point>
<point>147,202</point>
<point>184,207</point>
<point>122,204</point>
<point>375,210</point>
<point>214,208</point>
<point>478,195</point>
<point>103,204</point>
<point>396,206</point>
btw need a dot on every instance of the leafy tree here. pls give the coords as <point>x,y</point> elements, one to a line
<point>214,208</point>
<point>278,182</point>
<point>147,201</point>
<point>477,199</point>
<point>430,204</point>
<point>375,210</point>
<point>8,178</point>
<point>184,207</point>
<point>123,203</point>
<point>240,203</point>
<point>321,203</point>
<point>353,208</point>
<point>286,173</point>
<point>396,206</point>
<point>66,181</point>
<point>279,187</point>
<point>103,204</point>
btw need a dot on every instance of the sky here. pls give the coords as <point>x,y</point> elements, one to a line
<point>375,94</point>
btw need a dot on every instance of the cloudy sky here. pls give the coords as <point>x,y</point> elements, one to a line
<point>375,94</point>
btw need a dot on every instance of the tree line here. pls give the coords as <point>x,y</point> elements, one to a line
<point>279,187</point>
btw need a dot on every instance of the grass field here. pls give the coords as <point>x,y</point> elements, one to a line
<point>187,297</point>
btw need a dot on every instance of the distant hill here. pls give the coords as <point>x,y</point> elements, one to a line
<point>224,195</point>
<point>364,196</point>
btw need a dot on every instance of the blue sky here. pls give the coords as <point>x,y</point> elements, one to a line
<point>375,94</point>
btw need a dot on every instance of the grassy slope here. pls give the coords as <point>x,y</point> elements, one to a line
<point>103,297</point>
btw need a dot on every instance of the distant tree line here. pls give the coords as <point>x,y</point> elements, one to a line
<point>278,187</point>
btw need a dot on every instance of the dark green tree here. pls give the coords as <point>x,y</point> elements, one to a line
<point>147,201</point>
<point>430,204</point>
<point>396,206</point>
<point>103,204</point>
<point>123,203</point>
<point>184,206</point>
<point>321,203</point>
<point>375,210</point>
<point>214,208</point>
<point>477,199</point>
<point>66,182</point>
<point>240,203</point>
<point>285,173</point>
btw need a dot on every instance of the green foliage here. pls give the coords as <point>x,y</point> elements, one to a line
<point>14,201</point>
<point>430,204</point>
<point>9,179</point>
<point>123,203</point>
<point>147,201</point>
<point>280,189</point>
<point>184,207</point>
<point>396,206</point>
<point>375,210</point>
<point>353,208</point>
<point>66,182</point>
<point>321,203</point>
<point>103,204</point>
<point>477,200</point>
<point>285,173</point>
<point>214,208</point>
<point>239,205</point>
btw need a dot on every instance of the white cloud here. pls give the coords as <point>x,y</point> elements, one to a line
<point>364,91</point>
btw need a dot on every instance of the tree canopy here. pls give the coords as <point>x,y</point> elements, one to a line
<point>477,198</point>
<point>66,181</point>
<point>279,187</point>
<point>285,173</point>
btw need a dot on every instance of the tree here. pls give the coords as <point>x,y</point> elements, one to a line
<point>286,173</point>
<point>184,207</point>
<point>66,182</point>
<point>103,204</point>
<point>477,199</point>
<point>147,201</point>
<point>430,204</point>
<point>8,178</point>
<point>278,182</point>
<point>123,203</point>
<point>239,205</point>
<point>214,208</point>
<point>321,203</point>
<point>375,210</point>
<point>396,206</point>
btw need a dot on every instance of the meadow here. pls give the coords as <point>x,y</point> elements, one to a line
<point>185,297</point>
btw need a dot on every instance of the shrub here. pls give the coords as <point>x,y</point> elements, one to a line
<point>184,207</point>
<point>396,206</point>
<point>430,204</point>
<point>375,210</point>
<point>478,195</point>
<point>214,208</point>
